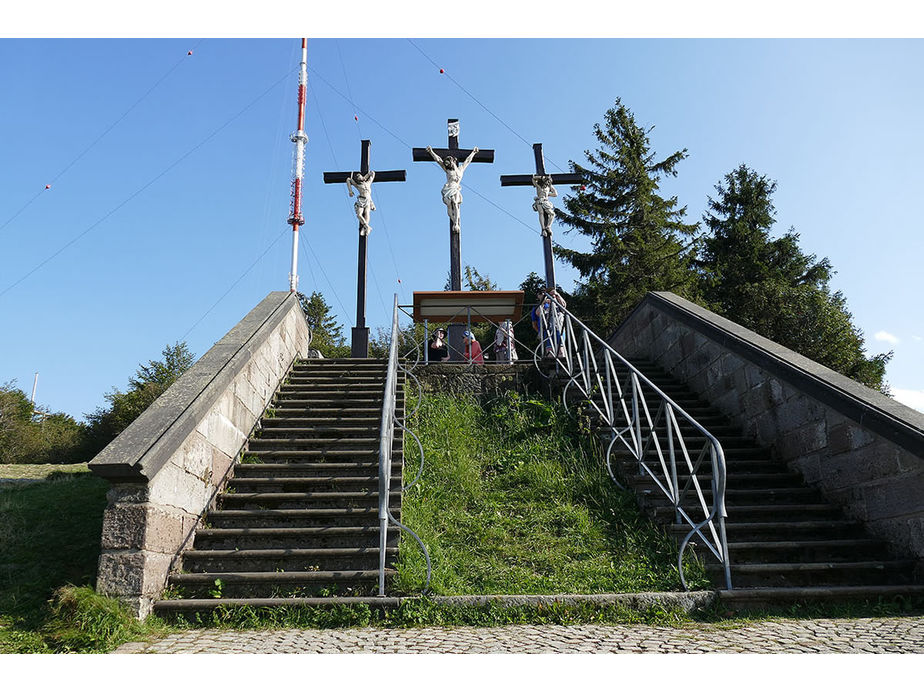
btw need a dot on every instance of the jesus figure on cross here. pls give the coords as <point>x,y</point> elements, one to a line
<point>452,190</point>
<point>542,203</point>
<point>364,204</point>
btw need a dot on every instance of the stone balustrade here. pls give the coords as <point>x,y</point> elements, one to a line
<point>168,465</point>
<point>861,448</point>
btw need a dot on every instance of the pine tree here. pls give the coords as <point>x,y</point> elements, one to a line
<point>326,332</point>
<point>639,240</point>
<point>774,288</point>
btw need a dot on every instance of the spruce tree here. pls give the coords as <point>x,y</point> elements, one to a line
<point>639,240</point>
<point>774,288</point>
<point>326,332</point>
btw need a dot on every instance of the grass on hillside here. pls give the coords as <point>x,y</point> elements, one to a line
<point>514,499</point>
<point>49,549</point>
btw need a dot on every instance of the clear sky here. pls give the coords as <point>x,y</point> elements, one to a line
<point>170,174</point>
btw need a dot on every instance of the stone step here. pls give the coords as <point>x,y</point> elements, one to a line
<point>288,559</point>
<point>307,483</point>
<point>269,584</point>
<point>170,606</point>
<point>780,531</point>
<point>324,421</point>
<point>359,454</point>
<point>310,469</point>
<point>755,513</point>
<point>289,537</point>
<point>333,413</point>
<point>807,551</point>
<point>258,445</point>
<point>745,496</point>
<point>297,517</point>
<point>844,573</point>
<point>317,499</point>
<point>737,480</point>
<point>763,598</point>
<point>279,428</point>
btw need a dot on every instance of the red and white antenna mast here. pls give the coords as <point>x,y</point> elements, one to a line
<point>300,139</point>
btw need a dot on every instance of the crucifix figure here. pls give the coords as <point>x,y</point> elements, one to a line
<point>362,180</point>
<point>543,183</point>
<point>452,191</point>
<point>364,204</point>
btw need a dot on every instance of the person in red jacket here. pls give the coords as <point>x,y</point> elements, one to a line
<point>472,348</point>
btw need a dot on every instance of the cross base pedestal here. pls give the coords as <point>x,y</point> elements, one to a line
<point>359,343</point>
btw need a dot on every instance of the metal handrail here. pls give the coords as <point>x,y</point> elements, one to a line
<point>386,442</point>
<point>622,404</point>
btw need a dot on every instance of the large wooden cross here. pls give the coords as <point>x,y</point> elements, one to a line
<point>484,156</point>
<point>559,178</point>
<point>359,338</point>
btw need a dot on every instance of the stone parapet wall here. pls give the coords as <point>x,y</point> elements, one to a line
<point>488,380</point>
<point>862,449</point>
<point>167,466</point>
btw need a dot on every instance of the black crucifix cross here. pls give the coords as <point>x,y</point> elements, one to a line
<point>567,179</point>
<point>484,156</point>
<point>359,339</point>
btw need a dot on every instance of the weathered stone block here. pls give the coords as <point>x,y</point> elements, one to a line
<point>802,441</point>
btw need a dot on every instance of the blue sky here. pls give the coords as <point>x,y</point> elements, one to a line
<point>170,176</point>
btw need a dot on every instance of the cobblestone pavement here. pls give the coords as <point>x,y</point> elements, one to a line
<point>865,635</point>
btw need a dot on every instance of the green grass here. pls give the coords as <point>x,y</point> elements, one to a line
<point>424,612</point>
<point>514,499</point>
<point>49,549</point>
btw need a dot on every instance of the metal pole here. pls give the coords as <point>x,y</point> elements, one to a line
<point>300,139</point>
<point>34,385</point>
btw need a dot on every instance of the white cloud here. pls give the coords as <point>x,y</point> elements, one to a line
<point>910,398</point>
<point>884,336</point>
<point>917,339</point>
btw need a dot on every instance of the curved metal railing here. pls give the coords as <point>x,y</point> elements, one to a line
<point>663,439</point>
<point>386,442</point>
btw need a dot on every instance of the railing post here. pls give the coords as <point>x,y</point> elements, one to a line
<point>673,458</point>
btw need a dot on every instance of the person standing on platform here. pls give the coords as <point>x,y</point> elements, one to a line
<point>437,350</point>
<point>505,349</point>
<point>472,348</point>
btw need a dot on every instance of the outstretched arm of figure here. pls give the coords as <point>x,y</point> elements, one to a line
<point>349,182</point>
<point>468,159</point>
<point>552,191</point>
<point>370,177</point>
<point>436,157</point>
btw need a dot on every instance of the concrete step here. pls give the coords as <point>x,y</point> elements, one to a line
<point>333,413</point>
<point>763,598</point>
<point>288,559</point>
<point>258,445</point>
<point>840,573</point>
<point>807,551</point>
<point>292,537</point>
<point>315,499</point>
<point>164,607</point>
<point>307,483</point>
<point>270,584</point>
<point>360,454</point>
<point>297,517</point>
<point>734,479</point>
<point>310,419</point>
<point>310,469</point>
<point>280,428</point>
<point>782,531</point>
<point>762,513</point>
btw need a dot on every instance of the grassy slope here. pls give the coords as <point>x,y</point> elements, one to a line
<point>49,543</point>
<point>514,500</point>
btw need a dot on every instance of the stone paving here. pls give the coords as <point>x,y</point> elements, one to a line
<point>864,635</point>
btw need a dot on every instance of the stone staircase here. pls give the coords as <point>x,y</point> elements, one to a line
<point>298,520</point>
<point>786,543</point>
